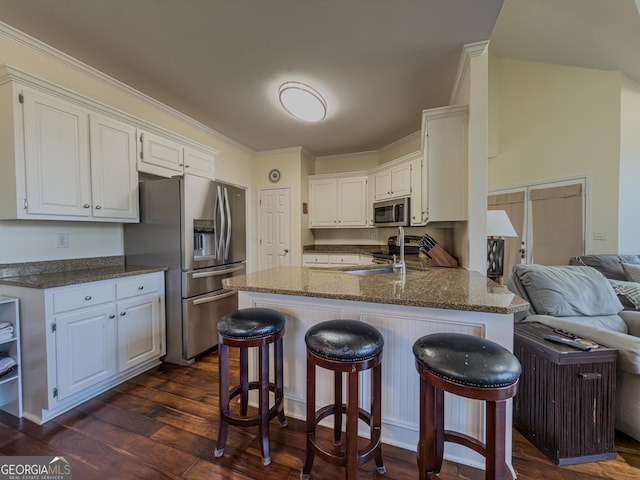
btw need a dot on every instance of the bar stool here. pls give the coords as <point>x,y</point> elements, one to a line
<point>344,346</point>
<point>470,367</point>
<point>243,329</point>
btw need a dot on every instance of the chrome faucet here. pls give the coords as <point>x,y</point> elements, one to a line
<point>400,267</point>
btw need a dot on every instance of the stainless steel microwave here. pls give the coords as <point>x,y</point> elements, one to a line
<point>391,213</point>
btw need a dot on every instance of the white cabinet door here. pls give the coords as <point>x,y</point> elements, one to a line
<point>352,202</point>
<point>444,171</point>
<point>56,145</point>
<point>323,199</point>
<point>401,180</point>
<point>416,191</point>
<point>160,154</point>
<point>85,349</point>
<point>138,331</point>
<point>114,178</point>
<point>199,163</point>
<point>382,185</point>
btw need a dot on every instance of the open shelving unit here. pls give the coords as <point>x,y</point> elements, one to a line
<point>11,383</point>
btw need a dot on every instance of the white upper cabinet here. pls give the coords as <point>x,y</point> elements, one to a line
<point>56,156</point>
<point>337,201</point>
<point>392,181</point>
<point>444,168</point>
<point>162,156</point>
<point>114,179</point>
<point>62,161</point>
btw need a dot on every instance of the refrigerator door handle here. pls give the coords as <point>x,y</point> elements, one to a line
<point>213,298</point>
<point>217,272</point>
<point>220,207</point>
<point>228,241</point>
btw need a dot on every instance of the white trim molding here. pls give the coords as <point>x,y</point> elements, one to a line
<point>468,51</point>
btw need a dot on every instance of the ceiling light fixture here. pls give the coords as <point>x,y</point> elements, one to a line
<point>302,101</point>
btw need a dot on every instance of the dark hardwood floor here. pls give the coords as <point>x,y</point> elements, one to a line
<point>163,424</point>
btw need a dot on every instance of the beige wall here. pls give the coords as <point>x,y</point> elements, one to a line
<point>350,162</point>
<point>289,162</point>
<point>554,122</point>
<point>628,224</point>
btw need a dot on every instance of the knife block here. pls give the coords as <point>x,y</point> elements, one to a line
<point>440,258</point>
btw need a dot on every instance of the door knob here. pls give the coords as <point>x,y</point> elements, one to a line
<point>286,250</point>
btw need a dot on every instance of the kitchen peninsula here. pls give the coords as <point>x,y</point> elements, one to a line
<point>402,308</point>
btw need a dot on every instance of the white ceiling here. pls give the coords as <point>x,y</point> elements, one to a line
<point>378,62</point>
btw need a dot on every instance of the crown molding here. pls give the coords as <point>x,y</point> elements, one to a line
<point>68,61</point>
<point>468,52</point>
<point>401,141</point>
<point>283,151</point>
<point>347,155</point>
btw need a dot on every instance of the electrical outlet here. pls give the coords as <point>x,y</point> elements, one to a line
<point>62,240</point>
<point>373,235</point>
<point>599,236</point>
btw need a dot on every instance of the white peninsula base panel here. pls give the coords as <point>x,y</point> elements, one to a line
<point>400,326</point>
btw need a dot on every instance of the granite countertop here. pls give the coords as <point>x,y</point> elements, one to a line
<point>448,288</point>
<point>51,274</point>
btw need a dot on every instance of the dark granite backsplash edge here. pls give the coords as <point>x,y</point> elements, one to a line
<point>57,266</point>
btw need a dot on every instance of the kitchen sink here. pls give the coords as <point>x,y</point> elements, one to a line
<point>374,271</point>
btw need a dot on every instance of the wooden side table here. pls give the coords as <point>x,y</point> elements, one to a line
<point>566,400</point>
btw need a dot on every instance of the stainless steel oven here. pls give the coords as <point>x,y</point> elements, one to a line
<point>391,213</point>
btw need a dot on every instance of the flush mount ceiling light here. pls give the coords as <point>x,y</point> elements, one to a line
<point>302,101</point>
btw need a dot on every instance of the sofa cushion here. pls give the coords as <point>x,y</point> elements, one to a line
<point>631,271</point>
<point>610,265</point>
<point>567,291</point>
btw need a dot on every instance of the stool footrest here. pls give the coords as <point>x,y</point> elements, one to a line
<point>337,456</point>
<point>252,420</point>
<point>465,440</point>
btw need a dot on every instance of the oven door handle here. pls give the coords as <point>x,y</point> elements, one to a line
<point>217,272</point>
<point>213,298</point>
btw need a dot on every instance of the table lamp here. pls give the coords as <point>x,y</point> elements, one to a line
<point>498,227</point>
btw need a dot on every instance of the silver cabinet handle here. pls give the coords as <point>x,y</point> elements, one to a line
<point>122,314</point>
<point>98,207</point>
<point>112,316</point>
<point>86,205</point>
<point>140,287</point>
<point>87,298</point>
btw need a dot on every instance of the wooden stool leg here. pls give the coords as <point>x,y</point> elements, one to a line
<point>280,382</point>
<point>352,426</point>
<point>496,467</point>
<point>244,380</point>
<point>376,415</point>
<point>337,405</point>
<point>428,439</point>
<point>263,402</point>
<point>311,417</point>
<point>439,454</point>
<point>223,391</point>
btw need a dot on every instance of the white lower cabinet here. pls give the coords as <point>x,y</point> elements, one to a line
<point>81,340</point>
<point>85,342</point>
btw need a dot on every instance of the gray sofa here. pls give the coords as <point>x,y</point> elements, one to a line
<point>581,300</point>
<point>610,265</point>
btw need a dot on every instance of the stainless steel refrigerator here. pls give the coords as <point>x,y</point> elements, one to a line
<point>196,228</point>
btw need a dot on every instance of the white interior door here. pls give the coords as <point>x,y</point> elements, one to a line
<point>274,245</point>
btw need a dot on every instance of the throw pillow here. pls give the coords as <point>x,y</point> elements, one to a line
<point>566,291</point>
<point>630,290</point>
<point>632,271</point>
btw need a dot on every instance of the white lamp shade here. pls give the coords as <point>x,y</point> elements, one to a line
<point>498,224</point>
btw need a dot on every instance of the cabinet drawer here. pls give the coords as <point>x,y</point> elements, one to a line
<point>310,258</point>
<point>139,285</point>
<point>70,299</point>
<point>353,259</point>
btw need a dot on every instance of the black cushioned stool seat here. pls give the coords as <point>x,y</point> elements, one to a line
<point>243,329</point>
<point>344,346</point>
<point>470,367</point>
